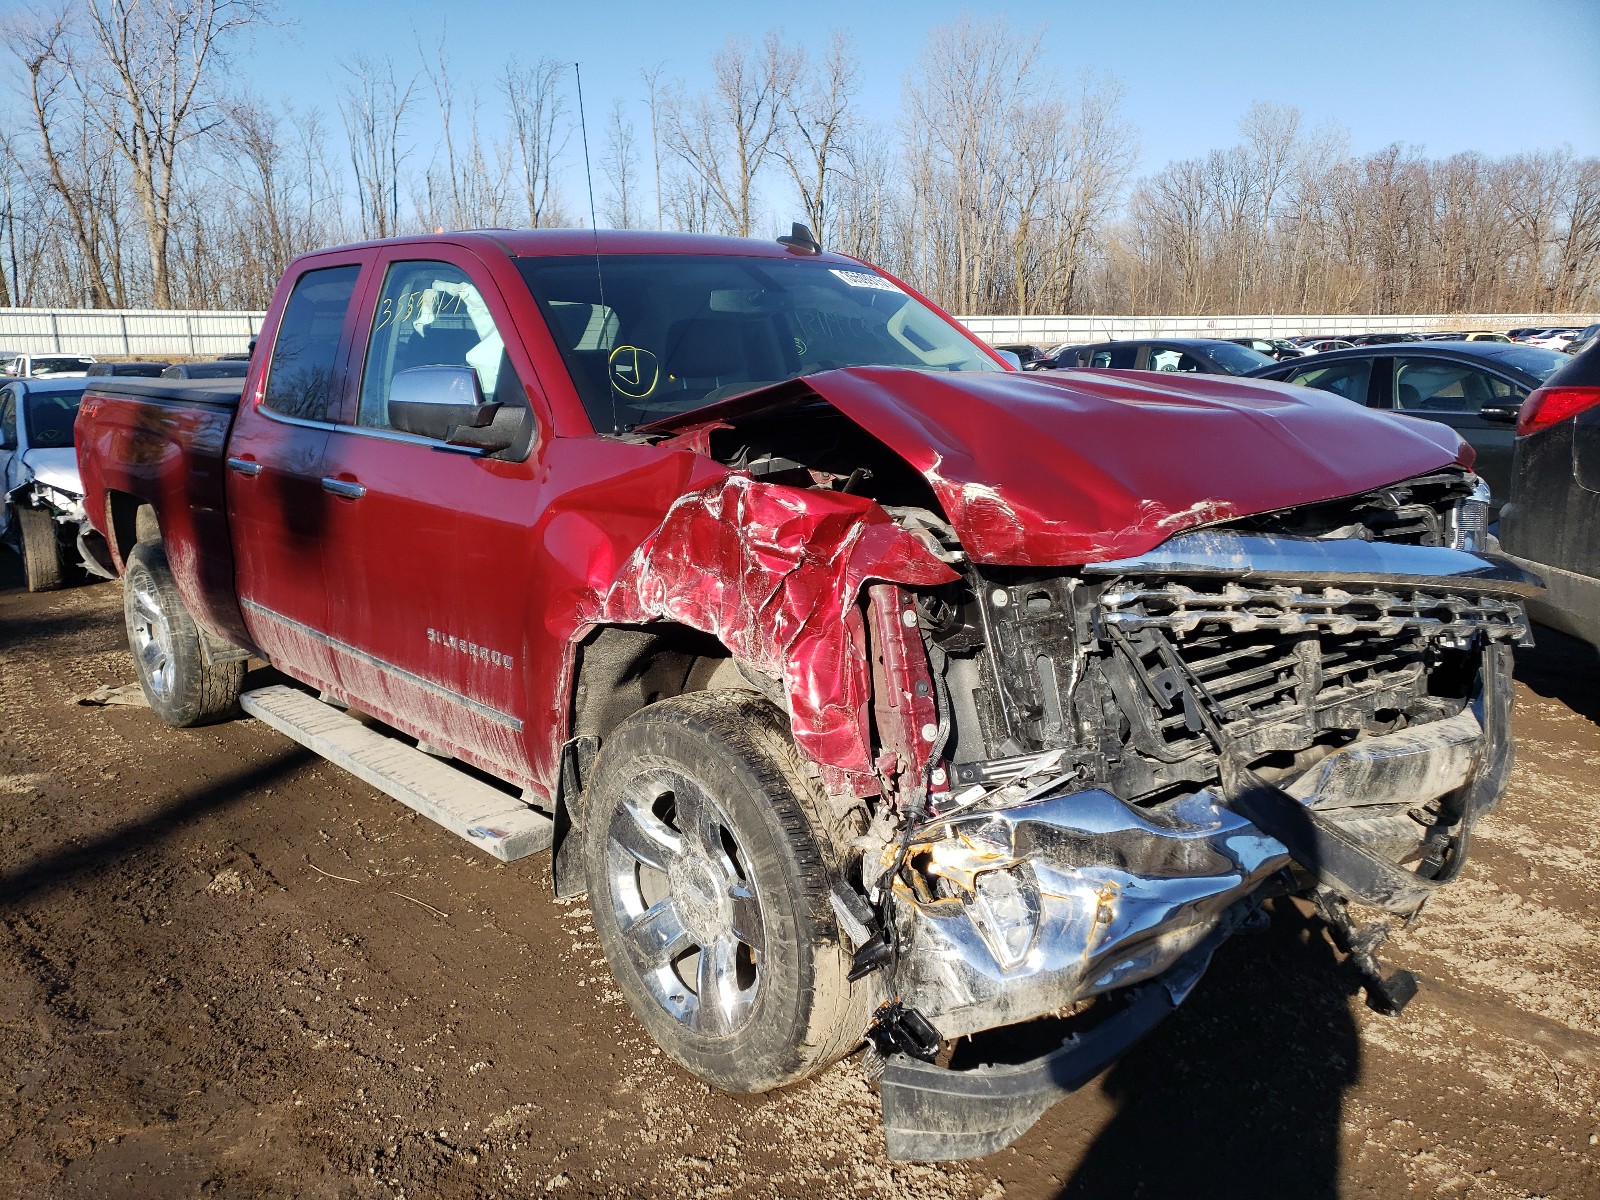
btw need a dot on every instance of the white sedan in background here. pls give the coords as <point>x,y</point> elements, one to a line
<point>41,493</point>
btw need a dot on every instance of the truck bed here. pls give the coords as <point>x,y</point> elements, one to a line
<point>161,443</point>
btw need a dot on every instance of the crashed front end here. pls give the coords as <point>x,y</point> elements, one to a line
<point>1141,750</point>
<point>1092,695</point>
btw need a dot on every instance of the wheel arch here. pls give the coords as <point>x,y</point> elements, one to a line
<point>618,670</point>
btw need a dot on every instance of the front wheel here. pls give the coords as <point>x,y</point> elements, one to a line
<point>710,864</point>
<point>43,565</point>
<point>182,684</point>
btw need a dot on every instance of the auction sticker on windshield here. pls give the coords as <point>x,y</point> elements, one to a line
<point>866,279</point>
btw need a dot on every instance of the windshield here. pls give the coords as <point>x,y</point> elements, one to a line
<point>50,418</point>
<point>677,332</point>
<point>1531,360</point>
<point>1235,360</point>
<point>61,366</point>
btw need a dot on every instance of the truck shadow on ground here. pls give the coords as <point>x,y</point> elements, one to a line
<point>1241,1093</point>
<point>1563,669</point>
<point>64,867</point>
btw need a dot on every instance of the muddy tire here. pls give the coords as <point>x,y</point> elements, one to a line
<point>177,677</point>
<point>43,565</point>
<point>710,862</point>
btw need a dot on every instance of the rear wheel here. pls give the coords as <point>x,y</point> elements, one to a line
<point>184,687</point>
<point>43,564</point>
<point>710,865</point>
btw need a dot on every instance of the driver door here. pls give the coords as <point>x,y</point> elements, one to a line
<point>427,571</point>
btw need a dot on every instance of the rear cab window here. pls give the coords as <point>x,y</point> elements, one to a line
<point>305,355</point>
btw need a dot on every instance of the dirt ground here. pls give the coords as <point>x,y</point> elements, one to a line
<point>228,969</point>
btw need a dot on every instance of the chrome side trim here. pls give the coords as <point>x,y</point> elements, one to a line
<point>415,680</point>
<point>1242,556</point>
<point>384,435</point>
<point>284,419</point>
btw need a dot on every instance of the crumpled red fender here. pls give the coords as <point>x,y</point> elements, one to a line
<point>775,574</point>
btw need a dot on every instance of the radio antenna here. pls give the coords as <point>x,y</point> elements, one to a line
<point>594,231</point>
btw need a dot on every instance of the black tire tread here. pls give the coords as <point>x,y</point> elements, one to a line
<point>750,726</point>
<point>42,562</point>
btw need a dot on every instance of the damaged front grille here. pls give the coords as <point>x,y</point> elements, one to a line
<point>1280,666</point>
<point>1137,674</point>
<point>1180,608</point>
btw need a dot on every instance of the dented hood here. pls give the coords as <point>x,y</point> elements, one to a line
<point>1078,466</point>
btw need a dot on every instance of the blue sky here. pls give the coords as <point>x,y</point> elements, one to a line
<point>1447,75</point>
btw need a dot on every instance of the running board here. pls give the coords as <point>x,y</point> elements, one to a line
<point>487,817</point>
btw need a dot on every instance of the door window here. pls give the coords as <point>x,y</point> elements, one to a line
<point>431,315</point>
<point>1347,379</point>
<point>1119,358</point>
<point>1173,360</point>
<point>8,420</point>
<point>305,354</point>
<point>1436,386</point>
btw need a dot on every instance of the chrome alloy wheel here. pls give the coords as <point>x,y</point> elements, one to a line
<point>685,902</point>
<point>151,636</point>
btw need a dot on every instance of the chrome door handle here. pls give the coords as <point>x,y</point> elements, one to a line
<point>244,466</point>
<point>348,488</point>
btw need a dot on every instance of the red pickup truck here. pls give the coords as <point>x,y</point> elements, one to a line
<point>874,692</point>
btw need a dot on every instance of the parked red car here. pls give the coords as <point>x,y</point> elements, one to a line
<point>873,692</point>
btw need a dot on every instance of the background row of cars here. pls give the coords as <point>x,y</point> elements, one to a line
<point>22,365</point>
<point>1530,412</point>
<point>1569,340</point>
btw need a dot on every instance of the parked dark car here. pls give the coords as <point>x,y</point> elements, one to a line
<point>1060,357</point>
<point>1474,387</point>
<point>1281,349</point>
<point>146,370</point>
<point>1027,355</point>
<point>1189,356</point>
<point>1551,521</point>
<point>1383,339</point>
<point>1587,336</point>
<point>219,369</point>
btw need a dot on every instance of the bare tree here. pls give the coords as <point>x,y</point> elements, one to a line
<point>725,136</point>
<point>820,121</point>
<point>618,164</point>
<point>376,110</point>
<point>653,95</point>
<point>960,117</point>
<point>147,91</point>
<point>540,129</point>
<point>76,154</point>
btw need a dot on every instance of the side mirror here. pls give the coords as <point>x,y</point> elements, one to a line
<point>444,403</point>
<point>1011,357</point>
<point>1500,413</point>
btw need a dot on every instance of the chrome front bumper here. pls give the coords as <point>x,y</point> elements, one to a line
<point>1077,894</point>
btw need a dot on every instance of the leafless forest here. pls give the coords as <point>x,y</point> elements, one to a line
<point>132,174</point>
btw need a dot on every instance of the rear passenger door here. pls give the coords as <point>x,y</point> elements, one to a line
<point>277,511</point>
<point>428,570</point>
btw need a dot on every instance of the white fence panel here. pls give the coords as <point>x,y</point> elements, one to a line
<point>141,333</point>
<point>1052,331</point>
<point>128,333</point>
